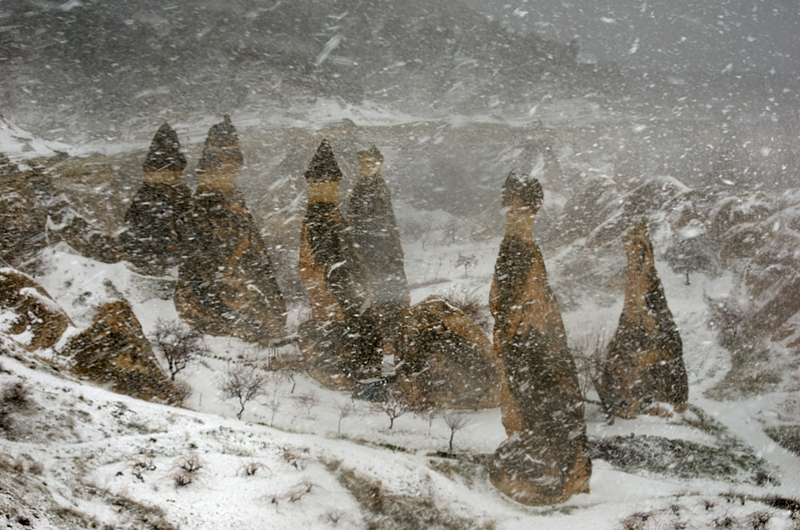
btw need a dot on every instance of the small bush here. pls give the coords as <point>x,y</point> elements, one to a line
<point>250,469</point>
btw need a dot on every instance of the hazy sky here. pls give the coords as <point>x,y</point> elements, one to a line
<point>677,35</point>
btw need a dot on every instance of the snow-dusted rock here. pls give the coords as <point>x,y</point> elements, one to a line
<point>644,364</point>
<point>27,312</point>
<point>544,459</point>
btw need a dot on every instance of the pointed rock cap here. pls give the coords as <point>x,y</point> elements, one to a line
<point>323,167</point>
<point>522,191</point>
<point>165,152</point>
<point>221,148</point>
<point>370,161</point>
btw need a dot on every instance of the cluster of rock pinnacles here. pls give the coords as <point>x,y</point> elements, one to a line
<point>352,267</point>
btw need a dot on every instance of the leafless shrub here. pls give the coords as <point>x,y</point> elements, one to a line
<point>184,389</point>
<point>190,464</point>
<point>141,464</point>
<point>475,307</point>
<point>467,262</point>
<point>394,406</point>
<point>13,399</point>
<point>589,351</point>
<point>758,520</point>
<point>251,468</point>
<point>333,517</point>
<point>178,343</point>
<point>243,383</point>
<point>308,401</point>
<point>294,459</point>
<point>182,478</point>
<point>455,422</point>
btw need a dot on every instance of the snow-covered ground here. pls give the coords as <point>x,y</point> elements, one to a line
<point>82,449</point>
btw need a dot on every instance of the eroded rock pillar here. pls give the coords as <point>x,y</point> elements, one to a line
<point>644,364</point>
<point>341,340</point>
<point>544,459</point>
<point>226,281</point>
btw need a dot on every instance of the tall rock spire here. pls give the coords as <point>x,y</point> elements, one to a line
<point>544,459</point>
<point>226,282</point>
<point>644,364</point>
<point>378,240</point>
<point>341,339</point>
<point>151,242</point>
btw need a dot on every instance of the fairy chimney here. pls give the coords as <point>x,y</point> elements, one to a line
<point>341,340</point>
<point>226,281</point>
<point>378,241</point>
<point>644,364</point>
<point>151,242</point>
<point>544,459</point>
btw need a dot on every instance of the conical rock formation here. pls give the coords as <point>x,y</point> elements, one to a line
<point>448,359</point>
<point>544,459</point>
<point>342,339</point>
<point>644,364</point>
<point>226,282</point>
<point>151,242</point>
<point>27,313</point>
<point>114,352</point>
<point>378,240</point>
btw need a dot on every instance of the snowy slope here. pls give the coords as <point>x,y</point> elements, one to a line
<point>80,449</point>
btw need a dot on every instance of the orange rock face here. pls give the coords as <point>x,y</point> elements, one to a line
<point>544,459</point>
<point>644,364</point>
<point>113,351</point>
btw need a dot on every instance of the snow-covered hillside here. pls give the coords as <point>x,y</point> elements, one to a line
<point>75,455</point>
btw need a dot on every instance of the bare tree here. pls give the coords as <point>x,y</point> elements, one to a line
<point>455,422</point>
<point>466,262</point>
<point>346,409</point>
<point>178,343</point>
<point>243,383</point>
<point>394,406</point>
<point>429,413</point>
<point>308,401</point>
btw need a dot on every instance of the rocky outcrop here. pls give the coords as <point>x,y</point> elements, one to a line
<point>544,459</point>
<point>27,313</point>
<point>378,240</point>
<point>226,282</point>
<point>644,363</point>
<point>150,241</point>
<point>22,221</point>
<point>448,359</point>
<point>114,352</point>
<point>341,340</point>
